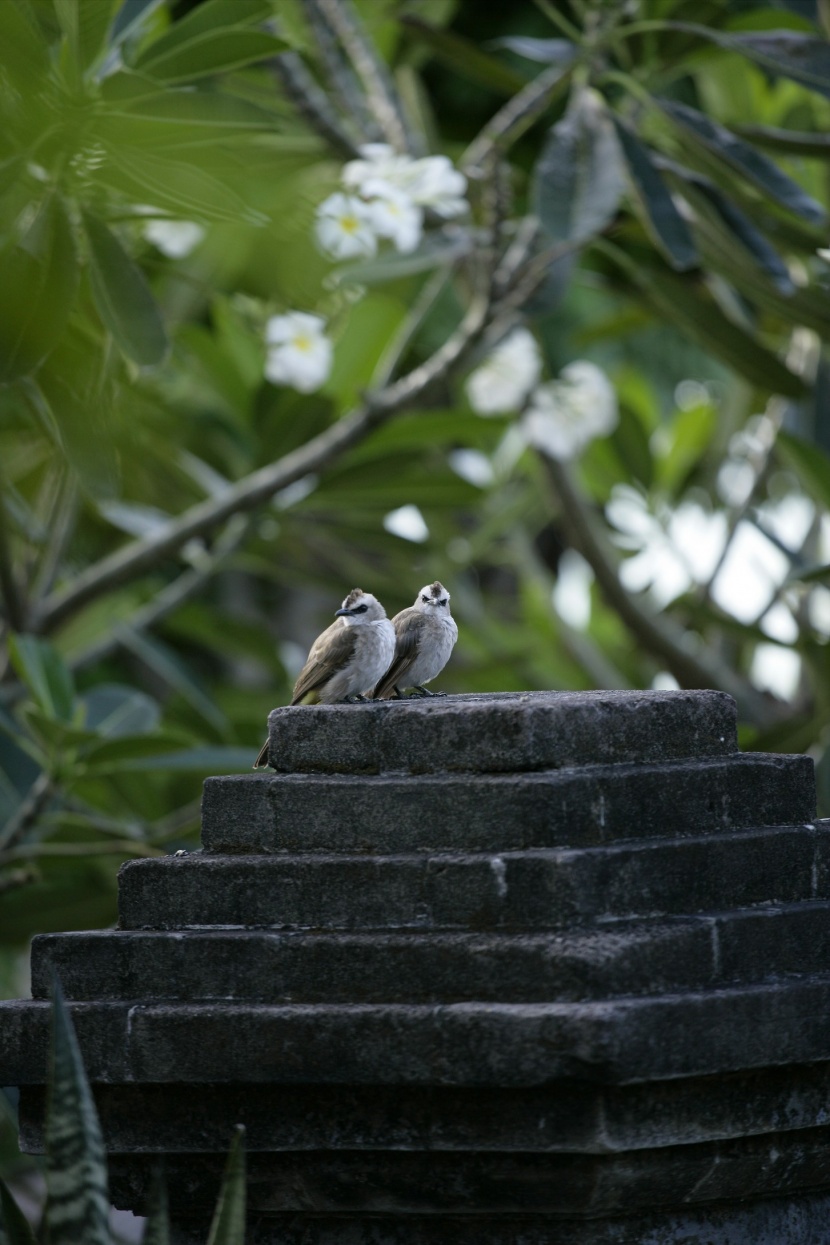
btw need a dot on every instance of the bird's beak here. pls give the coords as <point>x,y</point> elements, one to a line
<point>342,613</point>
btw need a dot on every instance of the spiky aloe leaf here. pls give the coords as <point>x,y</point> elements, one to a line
<point>228,1227</point>
<point>17,1229</point>
<point>157,1228</point>
<point>77,1207</point>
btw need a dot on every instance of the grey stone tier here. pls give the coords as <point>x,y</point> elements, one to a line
<point>529,969</point>
<point>507,732</point>
<point>451,812</point>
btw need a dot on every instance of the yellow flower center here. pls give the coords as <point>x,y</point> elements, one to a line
<point>349,224</point>
<point>302,342</point>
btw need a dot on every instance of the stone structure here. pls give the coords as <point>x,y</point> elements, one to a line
<point>525,969</point>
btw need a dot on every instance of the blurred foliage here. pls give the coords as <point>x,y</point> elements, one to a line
<point>157,596</point>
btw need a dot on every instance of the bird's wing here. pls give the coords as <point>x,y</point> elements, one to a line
<point>330,652</point>
<point>409,626</point>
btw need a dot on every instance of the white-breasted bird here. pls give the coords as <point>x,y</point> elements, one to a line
<point>425,634</point>
<point>347,659</point>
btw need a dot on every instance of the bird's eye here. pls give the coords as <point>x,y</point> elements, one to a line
<point>444,602</point>
<point>425,600</point>
<point>361,609</point>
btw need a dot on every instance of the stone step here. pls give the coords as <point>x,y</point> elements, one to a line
<point>576,1117</point>
<point>446,1183</point>
<point>799,1219</point>
<point>512,890</point>
<point>501,732</point>
<point>516,1044</point>
<point>442,812</point>
<point>420,967</point>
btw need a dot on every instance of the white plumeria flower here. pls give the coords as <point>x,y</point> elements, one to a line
<point>566,414</point>
<point>393,215</point>
<point>824,253</point>
<point>299,353</point>
<point>430,182</point>
<point>433,183</point>
<point>344,229</point>
<point>507,375</point>
<point>174,238</point>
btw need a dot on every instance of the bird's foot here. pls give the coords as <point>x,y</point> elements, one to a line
<point>355,699</point>
<point>418,690</point>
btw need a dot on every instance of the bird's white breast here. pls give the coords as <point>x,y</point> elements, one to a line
<point>373,653</point>
<point>436,645</point>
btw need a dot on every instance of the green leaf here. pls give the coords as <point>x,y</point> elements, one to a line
<point>189,760</point>
<point>38,283</point>
<point>85,26</point>
<point>178,185</point>
<point>123,296</point>
<point>782,53</point>
<point>434,252</point>
<point>157,1227</point>
<point>745,160</point>
<point>76,1171</point>
<point>578,179</point>
<point>679,301</point>
<point>129,17</point>
<point>810,462</point>
<point>794,142</point>
<point>667,226</point>
<point>112,711</point>
<point>215,51</point>
<point>45,674</point>
<point>17,1230</point>
<point>228,1226</point>
<point>168,667</point>
<point>206,18</point>
<point>543,51</point>
<point>752,240</point>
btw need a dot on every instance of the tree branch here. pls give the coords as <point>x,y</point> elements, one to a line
<point>312,103</point>
<point>658,633</point>
<point>259,486</point>
<point>381,95</point>
<point>344,86</point>
<point>517,115</point>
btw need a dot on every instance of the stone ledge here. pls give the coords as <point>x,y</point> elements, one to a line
<point>416,966</point>
<point>563,1116</point>
<point>509,1045</point>
<point>512,890</point>
<point>592,804</point>
<point>446,1183</point>
<point>796,1220</point>
<point>496,732</point>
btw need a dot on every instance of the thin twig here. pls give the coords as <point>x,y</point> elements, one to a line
<point>126,847</point>
<point>170,598</point>
<point>60,525</point>
<point>28,810</point>
<point>658,633</point>
<point>516,116</point>
<point>248,493</point>
<point>381,94</point>
<point>313,104</point>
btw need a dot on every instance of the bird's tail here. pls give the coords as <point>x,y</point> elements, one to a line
<point>262,757</point>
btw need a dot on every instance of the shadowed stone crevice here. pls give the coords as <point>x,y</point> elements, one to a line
<point>522,969</point>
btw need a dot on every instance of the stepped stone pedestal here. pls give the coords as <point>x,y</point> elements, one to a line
<point>523,969</point>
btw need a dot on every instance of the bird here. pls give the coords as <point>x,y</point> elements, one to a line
<point>425,634</point>
<point>347,659</point>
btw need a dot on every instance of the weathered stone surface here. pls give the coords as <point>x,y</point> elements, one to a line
<point>796,1220</point>
<point>571,1116</point>
<point>596,804</point>
<point>449,1183</point>
<point>504,732</point>
<point>512,890</point>
<point>416,966</point>
<point>614,1041</point>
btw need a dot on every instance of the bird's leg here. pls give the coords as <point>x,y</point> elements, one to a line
<point>354,699</point>
<point>424,691</point>
<point>398,693</point>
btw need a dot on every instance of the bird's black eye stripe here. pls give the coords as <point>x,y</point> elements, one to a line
<point>361,609</point>
<point>425,600</point>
